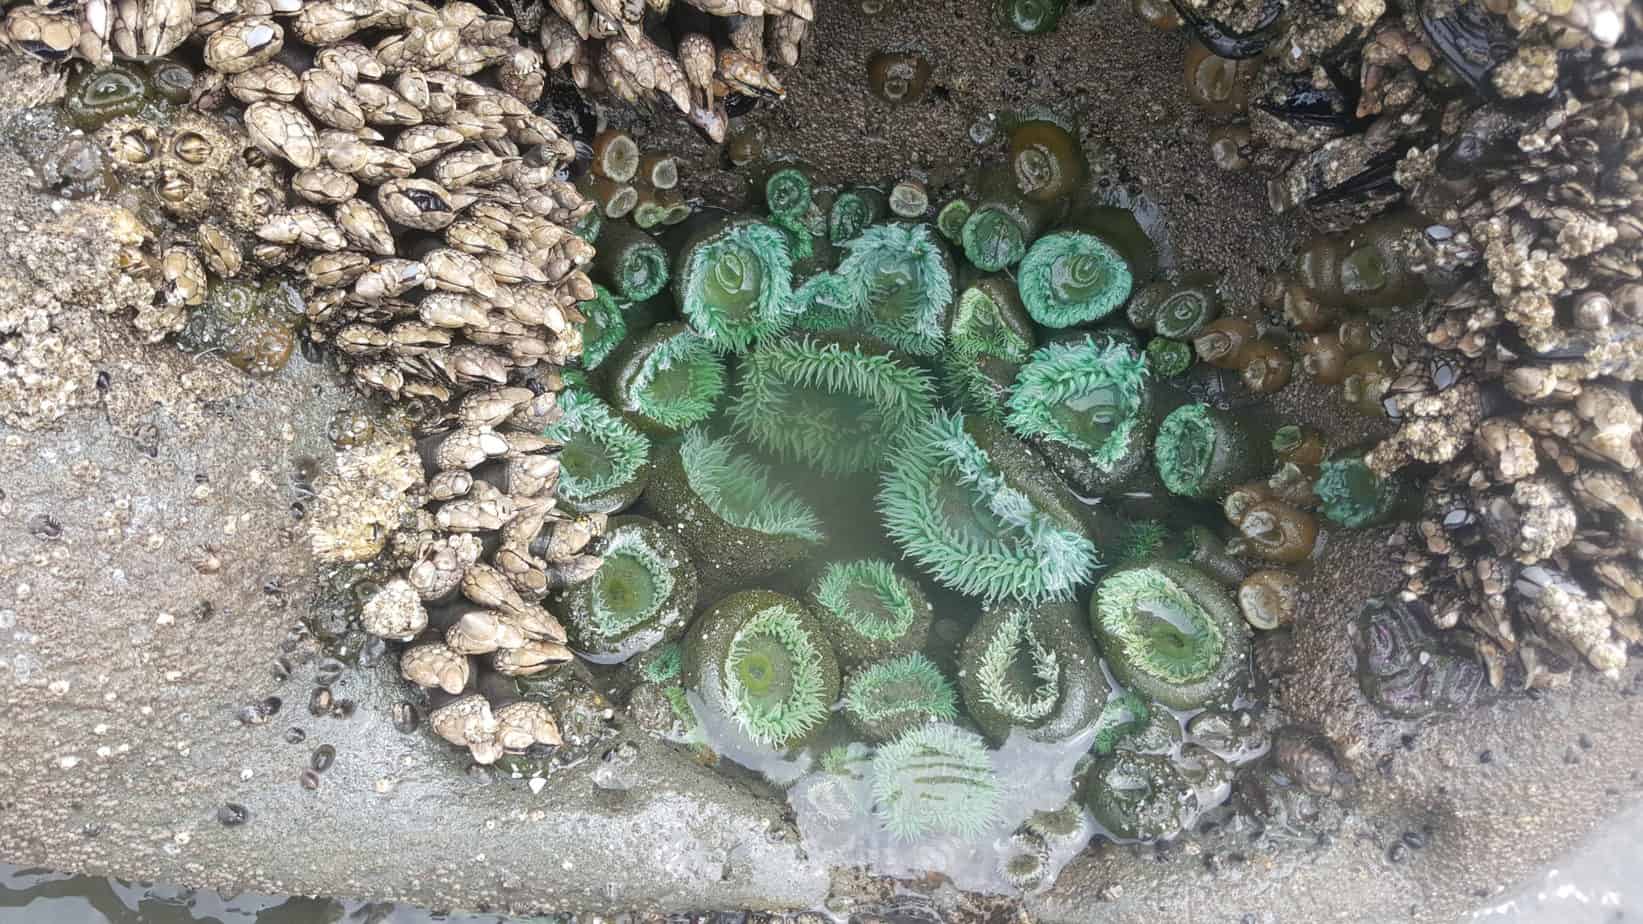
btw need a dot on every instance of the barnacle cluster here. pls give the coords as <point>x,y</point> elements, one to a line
<point>1471,160</point>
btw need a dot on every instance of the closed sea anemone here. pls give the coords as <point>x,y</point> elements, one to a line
<point>1202,452</point>
<point>736,521</point>
<point>630,262</point>
<point>733,283</point>
<point>887,698</point>
<point>982,514</point>
<point>758,660</point>
<point>936,779</point>
<point>1353,496</point>
<point>1170,633</point>
<point>667,378</point>
<point>644,593</point>
<point>869,610</point>
<point>903,282</point>
<point>604,463</point>
<point>1073,277</point>
<point>1034,669</point>
<point>834,402</point>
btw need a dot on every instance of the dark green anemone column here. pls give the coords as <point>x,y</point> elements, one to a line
<point>869,610</point>
<point>666,379</point>
<point>982,514</point>
<point>1033,669</point>
<point>1203,452</point>
<point>1087,406</point>
<point>936,779</point>
<point>903,281</point>
<point>604,462</point>
<point>643,594</point>
<point>888,698</point>
<point>1073,277</point>
<point>763,667</point>
<point>835,402</point>
<point>733,281</point>
<point>1171,633</point>
<point>737,522</point>
<point>630,262</point>
<point>1177,310</point>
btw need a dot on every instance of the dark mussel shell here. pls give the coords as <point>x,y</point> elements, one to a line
<point>1227,43</point>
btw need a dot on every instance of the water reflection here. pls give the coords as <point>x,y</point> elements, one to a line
<point>33,896</point>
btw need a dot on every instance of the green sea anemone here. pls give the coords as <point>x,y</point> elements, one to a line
<point>101,95</point>
<point>950,220</point>
<point>978,384</point>
<point>1045,157</point>
<point>788,190</point>
<point>1122,715</point>
<point>834,402</point>
<point>989,319</point>
<point>758,660</point>
<point>891,697</point>
<point>982,514</point>
<point>630,262</point>
<point>1003,224</point>
<point>869,611</point>
<point>1034,669</point>
<point>903,279</point>
<point>604,329</point>
<point>1141,540</point>
<point>1177,310</point>
<point>853,211</point>
<point>1072,277</point>
<point>733,281</point>
<point>1033,17</point>
<point>824,302</point>
<point>1168,358</point>
<point>643,594</point>
<point>1355,497</point>
<point>666,378</point>
<point>935,779</point>
<point>1202,452</point>
<point>736,522</point>
<point>1139,797</point>
<point>1082,395</point>
<point>662,664</point>
<point>604,464</point>
<point>1171,633</point>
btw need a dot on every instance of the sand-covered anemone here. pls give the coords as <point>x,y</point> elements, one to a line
<point>1003,224</point>
<point>903,281</point>
<point>834,402</point>
<point>982,514</point>
<point>1073,277</point>
<point>604,462</point>
<point>733,282</point>
<point>869,610</point>
<point>936,779</point>
<point>735,519</point>
<point>1086,404</point>
<point>759,662</point>
<point>667,378</point>
<point>1033,669</point>
<point>1170,633</point>
<point>889,698</point>
<point>1203,452</point>
<point>1138,796</point>
<point>644,592</point>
